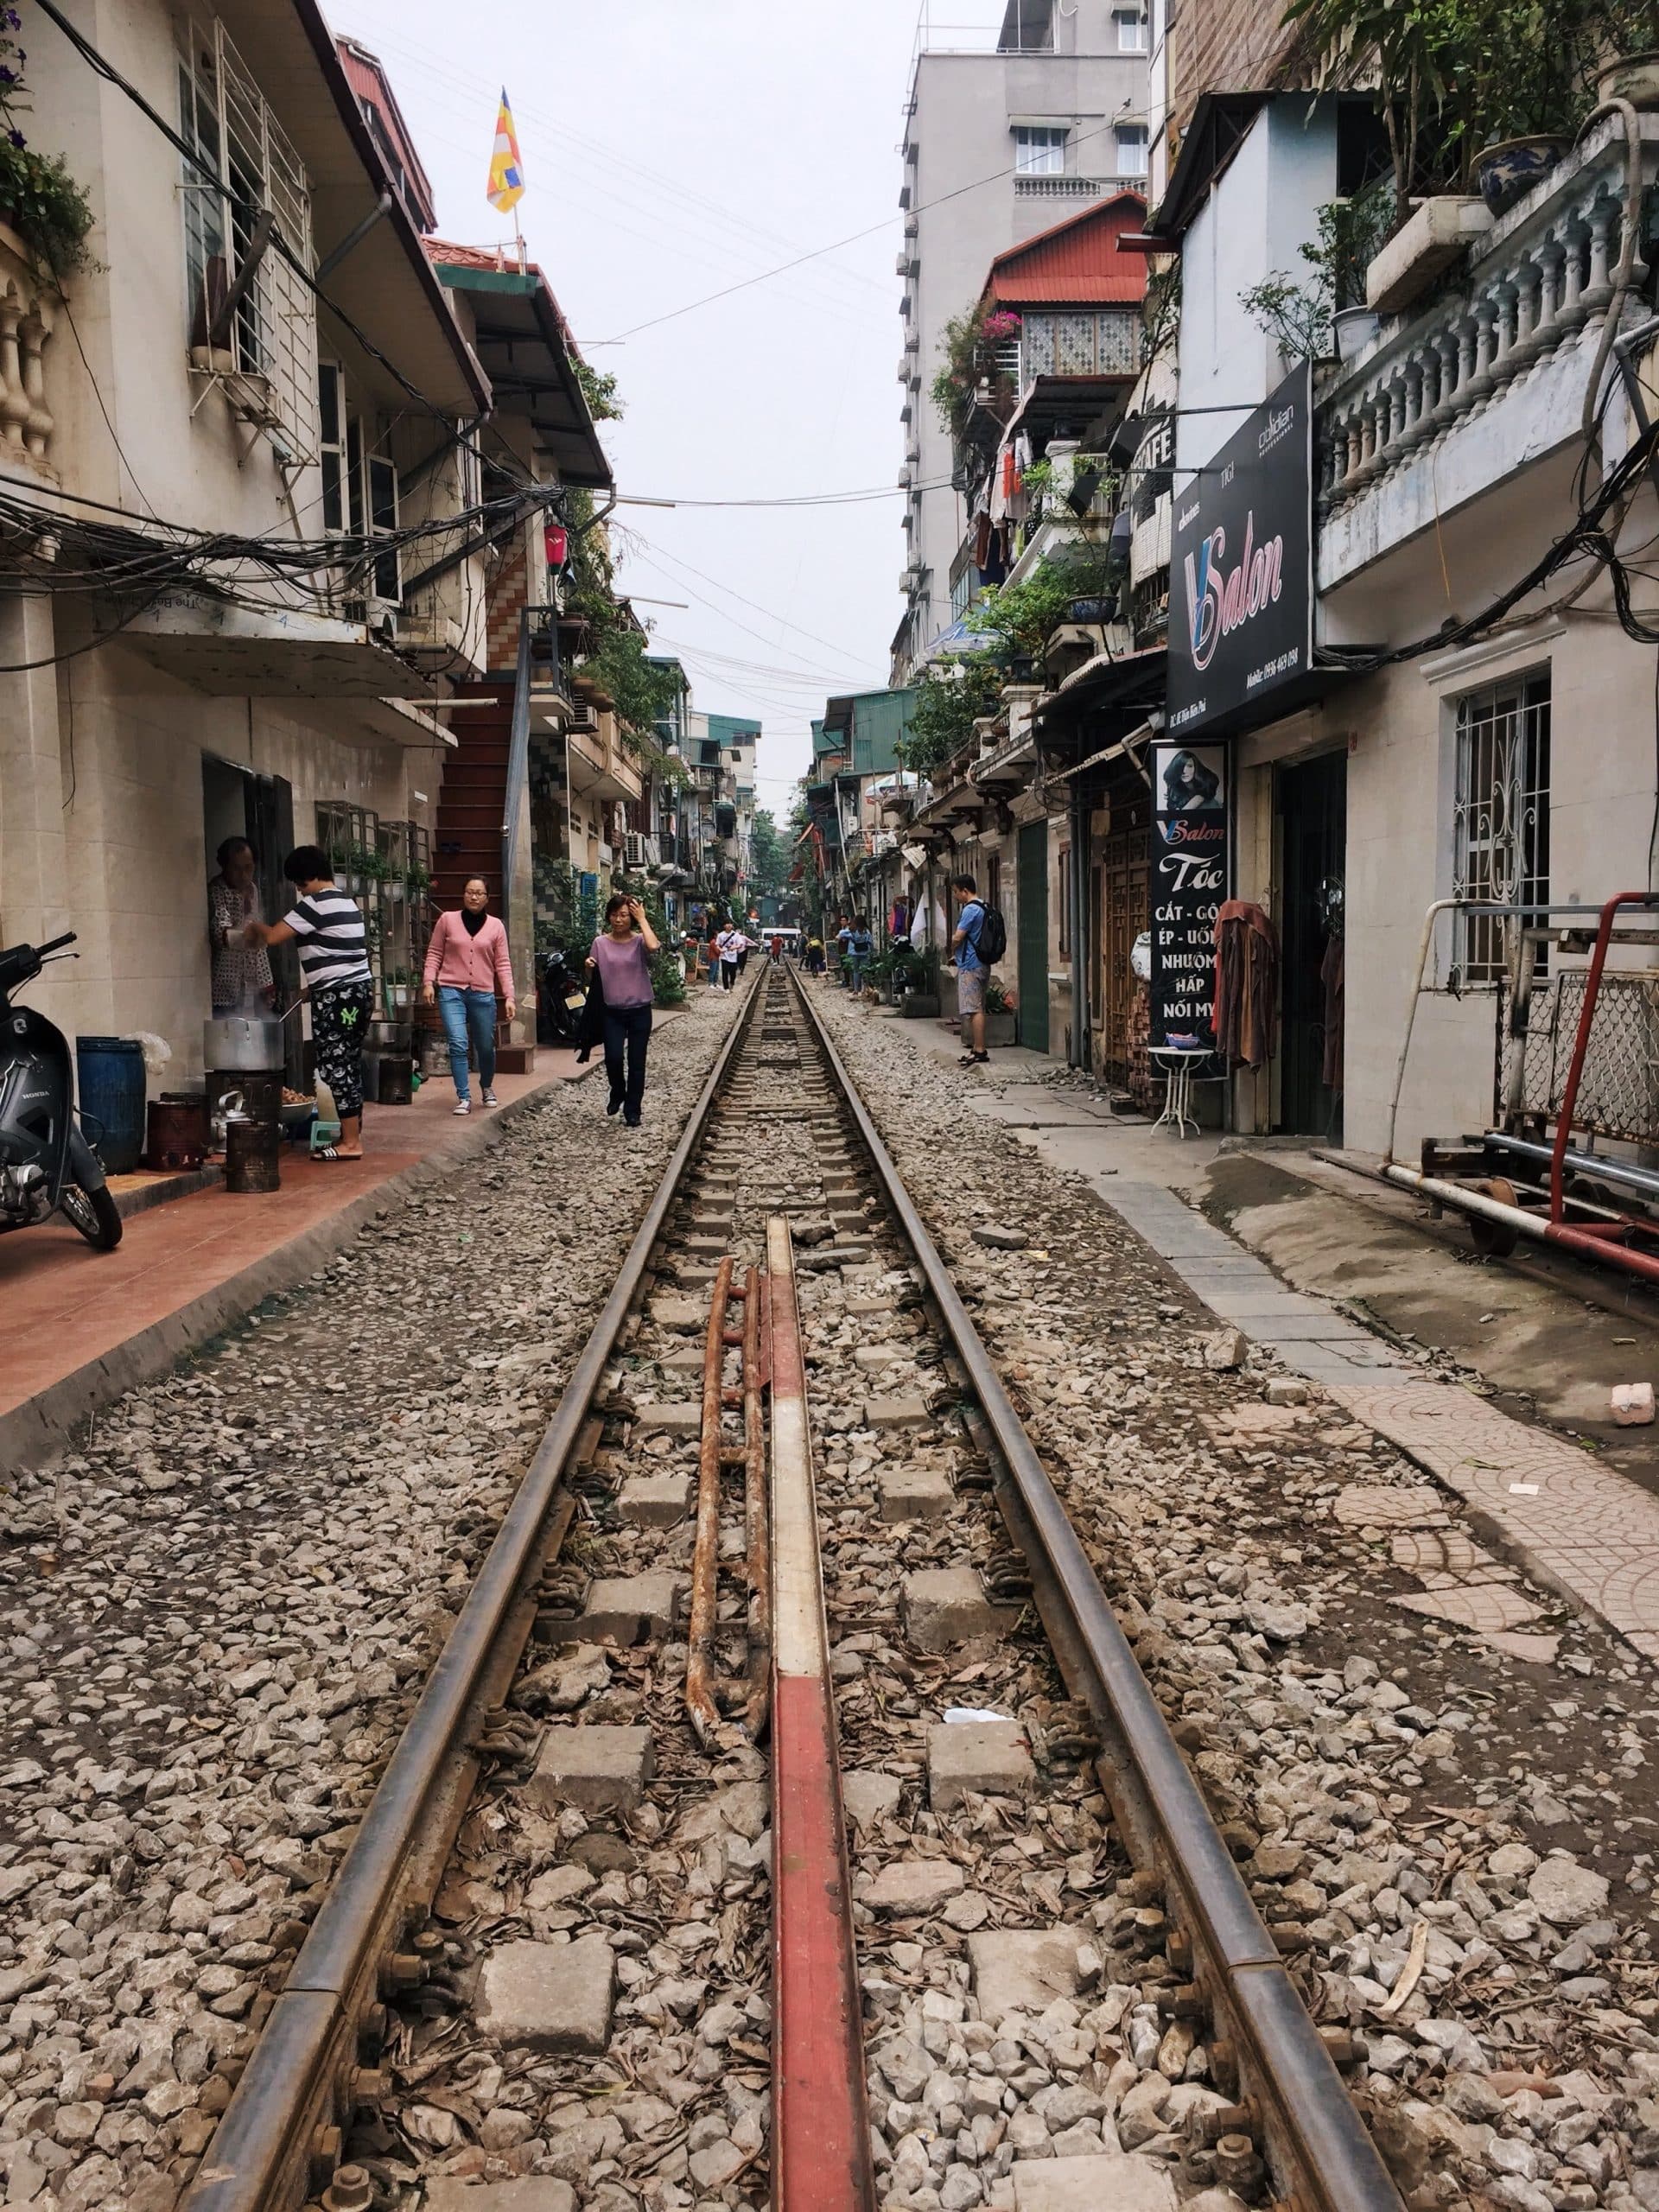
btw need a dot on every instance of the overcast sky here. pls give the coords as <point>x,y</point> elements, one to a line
<point>672,147</point>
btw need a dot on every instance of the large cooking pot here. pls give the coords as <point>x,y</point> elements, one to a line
<point>242,1043</point>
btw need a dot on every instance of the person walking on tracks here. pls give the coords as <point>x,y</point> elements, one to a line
<point>620,956</point>
<point>728,944</point>
<point>328,927</point>
<point>466,962</point>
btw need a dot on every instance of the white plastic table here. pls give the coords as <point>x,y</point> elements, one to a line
<point>1177,1062</point>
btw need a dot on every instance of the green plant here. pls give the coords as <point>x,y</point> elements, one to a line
<point>948,702</point>
<point>996,999</point>
<point>558,905</point>
<point>1298,317</point>
<point>640,690</point>
<point>769,856</point>
<point>967,342</point>
<point>1018,619</point>
<point>599,390</point>
<point>1161,311</point>
<point>47,209</point>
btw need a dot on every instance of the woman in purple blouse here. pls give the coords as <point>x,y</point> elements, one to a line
<point>621,955</point>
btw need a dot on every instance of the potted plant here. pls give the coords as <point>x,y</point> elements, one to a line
<point>999,1014</point>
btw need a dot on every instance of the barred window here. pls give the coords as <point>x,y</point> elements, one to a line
<point>244,164</point>
<point>1501,817</point>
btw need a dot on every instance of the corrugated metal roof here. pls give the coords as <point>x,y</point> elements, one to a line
<point>1076,262</point>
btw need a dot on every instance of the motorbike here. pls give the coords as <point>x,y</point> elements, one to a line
<point>46,1164</point>
<point>561,994</point>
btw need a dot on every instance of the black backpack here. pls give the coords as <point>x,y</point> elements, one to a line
<point>993,939</point>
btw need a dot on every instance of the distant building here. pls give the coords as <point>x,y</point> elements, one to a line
<point>1000,144</point>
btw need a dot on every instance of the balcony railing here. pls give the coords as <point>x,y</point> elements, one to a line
<point>25,327</point>
<point>1064,186</point>
<point>1487,379</point>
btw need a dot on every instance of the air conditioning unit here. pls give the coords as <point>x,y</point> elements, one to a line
<point>636,847</point>
<point>905,477</point>
<point>906,264</point>
<point>378,617</point>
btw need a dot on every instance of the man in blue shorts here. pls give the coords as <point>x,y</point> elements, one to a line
<point>971,971</point>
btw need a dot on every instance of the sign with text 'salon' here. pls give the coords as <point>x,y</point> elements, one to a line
<point>1240,579</point>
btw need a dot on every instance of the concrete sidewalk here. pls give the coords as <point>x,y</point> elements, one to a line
<point>82,1326</point>
<point>1578,1526</point>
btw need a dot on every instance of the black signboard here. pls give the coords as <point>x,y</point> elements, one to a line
<point>1190,861</point>
<point>1154,457</point>
<point>1241,582</point>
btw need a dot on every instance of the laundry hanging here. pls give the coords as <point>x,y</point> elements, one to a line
<point>1247,984</point>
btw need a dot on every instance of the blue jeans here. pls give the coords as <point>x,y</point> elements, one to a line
<point>627,1032</point>
<point>468,1014</point>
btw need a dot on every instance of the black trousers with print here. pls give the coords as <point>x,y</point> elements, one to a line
<point>340,1015</point>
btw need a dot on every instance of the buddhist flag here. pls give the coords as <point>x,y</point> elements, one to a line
<point>506,167</point>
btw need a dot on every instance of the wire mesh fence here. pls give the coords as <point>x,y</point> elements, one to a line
<point>1618,1091</point>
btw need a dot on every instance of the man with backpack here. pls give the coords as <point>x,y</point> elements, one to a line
<point>981,939</point>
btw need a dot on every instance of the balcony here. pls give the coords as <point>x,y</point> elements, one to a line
<point>25,327</point>
<point>1489,377</point>
<point>1074,190</point>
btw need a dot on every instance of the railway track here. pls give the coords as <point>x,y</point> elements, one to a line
<point>786,1802</point>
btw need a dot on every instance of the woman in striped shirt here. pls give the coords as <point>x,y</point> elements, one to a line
<point>328,927</point>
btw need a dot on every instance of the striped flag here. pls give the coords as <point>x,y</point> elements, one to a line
<point>507,169</point>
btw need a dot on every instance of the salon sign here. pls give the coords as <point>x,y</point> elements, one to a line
<point>1241,585</point>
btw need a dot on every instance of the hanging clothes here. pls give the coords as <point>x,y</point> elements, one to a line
<point>1247,984</point>
<point>983,538</point>
<point>1334,980</point>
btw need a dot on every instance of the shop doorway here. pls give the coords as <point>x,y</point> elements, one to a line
<point>1033,935</point>
<point>236,803</point>
<point>1313,849</point>
<point>1122,902</point>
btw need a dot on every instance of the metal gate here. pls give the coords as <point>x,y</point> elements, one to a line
<point>1123,904</point>
<point>1033,935</point>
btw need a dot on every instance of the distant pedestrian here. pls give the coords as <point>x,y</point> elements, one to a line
<point>815,955</point>
<point>775,949</point>
<point>466,964</point>
<point>843,941</point>
<point>328,927</point>
<point>621,956</point>
<point>971,971</point>
<point>745,947</point>
<point>728,944</point>
<point>861,949</point>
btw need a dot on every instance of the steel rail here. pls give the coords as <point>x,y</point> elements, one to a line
<point>262,2153</point>
<point>1313,2132</point>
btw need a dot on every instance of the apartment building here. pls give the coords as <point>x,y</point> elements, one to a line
<point>1002,142</point>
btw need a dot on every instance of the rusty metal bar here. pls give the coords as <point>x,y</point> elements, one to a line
<point>754,1513</point>
<point>705,1560</point>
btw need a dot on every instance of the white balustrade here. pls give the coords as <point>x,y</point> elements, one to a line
<point>26,423</point>
<point>1540,277</point>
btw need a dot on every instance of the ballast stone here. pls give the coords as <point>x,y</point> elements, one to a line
<point>909,1885</point>
<point>947,1606</point>
<point>620,1609</point>
<point>549,1996</point>
<point>600,1770</point>
<point>1123,2183</point>
<point>989,1758</point>
<point>1025,1969</point>
<point>535,2193</point>
<point>915,1494</point>
<point>867,1796</point>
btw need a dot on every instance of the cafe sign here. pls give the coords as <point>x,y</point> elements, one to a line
<point>1241,581</point>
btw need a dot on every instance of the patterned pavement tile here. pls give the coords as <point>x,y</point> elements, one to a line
<point>1586,1528</point>
<point>1482,1606</point>
<point>1515,1643</point>
<point>1402,1505</point>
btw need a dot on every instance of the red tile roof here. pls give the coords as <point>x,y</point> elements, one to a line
<point>1076,262</point>
<point>440,250</point>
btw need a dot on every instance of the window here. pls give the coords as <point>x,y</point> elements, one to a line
<point>243,164</point>
<point>1039,150</point>
<point>1501,816</point>
<point>1131,27</point>
<point>1131,149</point>
<point>359,482</point>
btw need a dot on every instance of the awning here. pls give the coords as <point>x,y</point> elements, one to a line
<point>1126,685</point>
<point>522,343</point>
<point>273,652</point>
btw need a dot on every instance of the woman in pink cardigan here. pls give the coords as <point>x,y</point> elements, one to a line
<point>466,963</point>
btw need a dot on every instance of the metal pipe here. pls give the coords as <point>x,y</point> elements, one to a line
<point>1335,2165</point>
<point>754,1509</point>
<point>1425,946</point>
<point>275,2101</point>
<point>354,238</point>
<point>1624,1173</point>
<point>699,1701</point>
<point>1580,1242</point>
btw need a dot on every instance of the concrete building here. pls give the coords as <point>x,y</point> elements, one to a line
<point>318,388</point>
<point>1000,144</point>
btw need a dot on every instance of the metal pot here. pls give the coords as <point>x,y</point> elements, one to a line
<point>242,1042</point>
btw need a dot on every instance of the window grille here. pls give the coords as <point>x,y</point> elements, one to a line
<point>1103,344</point>
<point>245,163</point>
<point>1500,817</point>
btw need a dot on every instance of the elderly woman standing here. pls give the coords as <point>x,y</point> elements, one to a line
<point>466,962</point>
<point>242,978</point>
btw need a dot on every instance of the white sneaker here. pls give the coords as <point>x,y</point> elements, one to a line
<point>490,1098</point>
<point>465,1107</point>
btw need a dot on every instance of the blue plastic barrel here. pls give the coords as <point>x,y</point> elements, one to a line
<point>110,1071</point>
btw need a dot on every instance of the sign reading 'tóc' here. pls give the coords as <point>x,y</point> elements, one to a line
<point>1241,586</point>
<point>1191,862</point>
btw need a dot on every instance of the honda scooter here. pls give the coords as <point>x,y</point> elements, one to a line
<point>46,1164</point>
<point>559,1000</point>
